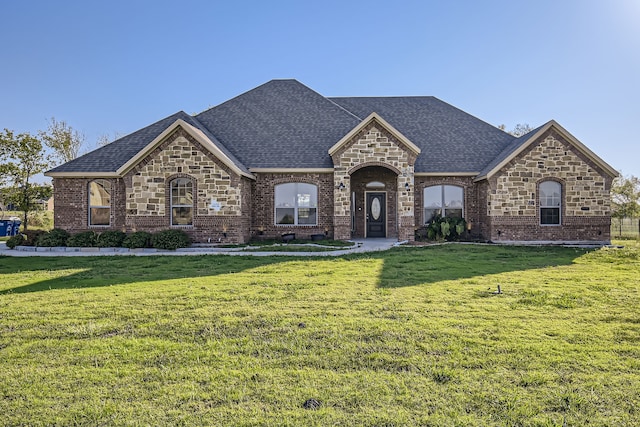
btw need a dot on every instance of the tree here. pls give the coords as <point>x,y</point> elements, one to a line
<point>519,130</point>
<point>105,139</point>
<point>625,197</point>
<point>22,157</point>
<point>63,140</point>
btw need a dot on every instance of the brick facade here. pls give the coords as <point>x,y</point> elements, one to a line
<point>263,218</point>
<point>504,207</point>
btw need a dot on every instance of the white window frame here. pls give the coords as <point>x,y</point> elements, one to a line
<point>106,185</point>
<point>443,208</point>
<point>550,202</point>
<point>179,181</point>
<point>313,204</point>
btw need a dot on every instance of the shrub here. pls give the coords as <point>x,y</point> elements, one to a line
<point>55,237</point>
<point>138,239</point>
<point>15,241</point>
<point>31,237</point>
<point>111,239</point>
<point>170,239</point>
<point>85,239</point>
<point>442,228</point>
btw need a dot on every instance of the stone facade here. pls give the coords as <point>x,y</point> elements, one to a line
<point>512,195</point>
<point>375,146</point>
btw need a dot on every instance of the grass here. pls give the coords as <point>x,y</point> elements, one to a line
<point>411,336</point>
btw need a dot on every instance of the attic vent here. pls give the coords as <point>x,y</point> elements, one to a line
<point>375,184</point>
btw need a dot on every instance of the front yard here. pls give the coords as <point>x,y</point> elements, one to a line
<point>411,336</point>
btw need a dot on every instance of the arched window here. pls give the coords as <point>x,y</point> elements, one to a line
<point>181,201</point>
<point>550,202</point>
<point>100,202</point>
<point>443,200</point>
<point>296,204</point>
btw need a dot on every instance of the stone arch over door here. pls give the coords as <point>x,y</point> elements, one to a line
<point>374,146</point>
<point>384,181</point>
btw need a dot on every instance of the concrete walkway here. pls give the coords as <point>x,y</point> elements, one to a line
<point>361,245</point>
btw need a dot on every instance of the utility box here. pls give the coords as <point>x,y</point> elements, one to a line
<point>6,227</point>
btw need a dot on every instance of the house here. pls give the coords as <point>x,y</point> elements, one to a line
<point>282,158</point>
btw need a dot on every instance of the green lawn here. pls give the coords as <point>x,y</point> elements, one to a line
<point>411,336</point>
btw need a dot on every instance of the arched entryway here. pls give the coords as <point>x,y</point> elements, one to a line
<point>373,152</point>
<point>374,202</point>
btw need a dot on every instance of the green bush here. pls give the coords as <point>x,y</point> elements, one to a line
<point>111,239</point>
<point>14,241</point>
<point>442,228</point>
<point>138,239</point>
<point>85,239</point>
<point>31,237</point>
<point>170,239</point>
<point>55,237</point>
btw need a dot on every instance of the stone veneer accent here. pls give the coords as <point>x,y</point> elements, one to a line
<point>148,192</point>
<point>504,207</point>
<point>513,199</point>
<point>373,146</point>
<point>140,200</point>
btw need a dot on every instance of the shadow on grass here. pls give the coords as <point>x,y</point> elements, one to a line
<point>400,266</point>
<point>91,272</point>
<point>412,266</point>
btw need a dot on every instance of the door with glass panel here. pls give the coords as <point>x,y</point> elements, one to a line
<point>376,215</point>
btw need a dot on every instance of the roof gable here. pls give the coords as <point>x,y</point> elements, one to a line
<point>451,140</point>
<point>374,117</point>
<point>111,160</point>
<point>525,141</point>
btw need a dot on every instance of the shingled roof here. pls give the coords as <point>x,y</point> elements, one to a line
<point>285,124</point>
<point>450,139</point>
<point>280,124</point>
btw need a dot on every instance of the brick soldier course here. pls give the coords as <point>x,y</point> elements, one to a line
<point>236,155</point>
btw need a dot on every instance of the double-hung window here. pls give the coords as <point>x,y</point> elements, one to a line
<point>296,203</point>
<point>550,202</point>
<point>181,201</point>
<point>443,200</point>
<point>100,202</point>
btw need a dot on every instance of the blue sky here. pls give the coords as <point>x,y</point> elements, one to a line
<point>117,66</point>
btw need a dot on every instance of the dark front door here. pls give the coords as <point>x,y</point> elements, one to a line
<point>376,215</point>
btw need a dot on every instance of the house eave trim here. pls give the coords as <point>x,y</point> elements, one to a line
<point>374,117</point>
<point>291,170</point>
<point>197,134</point>
<point>445,174</point>
<point>572,139</point>
<point>82,174</point>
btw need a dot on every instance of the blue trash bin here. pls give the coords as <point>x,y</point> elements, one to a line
<point>6,227</point>
<point>16,226</point>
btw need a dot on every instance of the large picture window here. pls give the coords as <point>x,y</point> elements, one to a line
<point>296,204</point>
<point>550,202</point>
<point>99,202</point>
<point>443,200</point>
<point>181,202</point>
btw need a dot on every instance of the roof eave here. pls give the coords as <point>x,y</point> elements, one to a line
<point>197,134</point>
<point>551,124</point>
